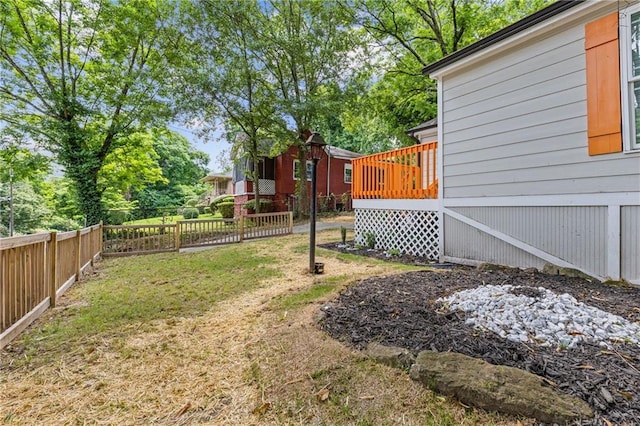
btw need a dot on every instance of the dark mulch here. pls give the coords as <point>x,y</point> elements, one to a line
<point>400,310</point>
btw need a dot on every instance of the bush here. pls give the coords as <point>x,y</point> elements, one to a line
<point>220,199</point>
<point>202,209</point>
<point>192,202</point>
<point>58,223</point>
<point>118,217</point>
<point>226,209</point>
<point>266,205</point>
<point>190,213</point>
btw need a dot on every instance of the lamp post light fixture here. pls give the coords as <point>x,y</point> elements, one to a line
<point>315,150</point>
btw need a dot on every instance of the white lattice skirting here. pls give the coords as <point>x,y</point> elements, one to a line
<point>408,231</point>
<point>267,186</point>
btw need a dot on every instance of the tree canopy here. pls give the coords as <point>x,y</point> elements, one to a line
<point>82,76</point>
<point>96,82</point>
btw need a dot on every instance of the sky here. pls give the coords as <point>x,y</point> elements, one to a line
<point>212,146</point>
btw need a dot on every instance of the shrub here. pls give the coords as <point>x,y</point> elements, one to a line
<point>266,205</point>
<point>370,238</point>
<point>224,198</point>
<point>58,223</point>
<point>118,217</point>
<point>226,209</point>
<point>201,208</point>
<point>190,213</point>
<point>192,202</point>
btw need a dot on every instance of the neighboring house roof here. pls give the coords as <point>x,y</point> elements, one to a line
<point>216,176</point>
<point>509,31</point>
<point>423,126</point>
<point>342,153</point>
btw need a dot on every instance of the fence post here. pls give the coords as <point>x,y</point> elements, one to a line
<point>53,268</point>
<point>177,236</point>
<point>78,257</point>
<point>100,243</point>
<point>241,228</point>
<point>291,222</point>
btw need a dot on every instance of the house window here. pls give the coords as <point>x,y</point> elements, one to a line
<point>296,167</point>
<point>630,54</point>
<point>347,173</point>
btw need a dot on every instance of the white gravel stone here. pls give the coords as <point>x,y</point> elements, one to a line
<point>548,319</point>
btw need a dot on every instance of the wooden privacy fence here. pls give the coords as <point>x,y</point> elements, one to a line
<point>402,173</point>
<point>126,240</point>
<point>36,269</point>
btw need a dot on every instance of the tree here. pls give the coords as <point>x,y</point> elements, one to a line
<point>230,85</point>
<point>311,52</point>
<point>181,167</point>
<point>83,75</point>
<point>21,169</point>
<point>29,208</point>
<point>413,33</point>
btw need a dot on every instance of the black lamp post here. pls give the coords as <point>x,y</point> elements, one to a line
<point>315,150</point>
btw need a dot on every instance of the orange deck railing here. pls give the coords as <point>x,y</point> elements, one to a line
<point>402,173</point>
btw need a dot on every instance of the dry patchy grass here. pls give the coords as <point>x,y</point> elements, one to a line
<point>253,358</point>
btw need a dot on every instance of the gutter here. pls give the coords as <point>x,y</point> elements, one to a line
<point>515,28</point>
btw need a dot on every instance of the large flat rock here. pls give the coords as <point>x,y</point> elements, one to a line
<point>497,388</point>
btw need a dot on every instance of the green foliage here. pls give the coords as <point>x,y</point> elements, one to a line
<point>118,217</point>
<point>192,202</point>
<point>370,239</point>
<point>57,223</point>
<point>266,205</point>
<point>29,208</point>
<point>412,35</point>
<point>86,93</point>
<point>393,252</point>
<point>343,234</point>
<point>226,209</point>
<point>224,198</point>
<point>190,213</point>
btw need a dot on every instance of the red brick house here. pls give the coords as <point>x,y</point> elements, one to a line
<point>277,177</point>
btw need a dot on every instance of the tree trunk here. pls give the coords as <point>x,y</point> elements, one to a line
<point>82,166</point>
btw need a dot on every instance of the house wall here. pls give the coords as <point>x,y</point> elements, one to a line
<point>285,183</point>
<point>517,125</point>
<point>518,186</point>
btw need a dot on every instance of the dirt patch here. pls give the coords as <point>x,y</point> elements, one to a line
<point>351,248</point>
<point>402,311</point>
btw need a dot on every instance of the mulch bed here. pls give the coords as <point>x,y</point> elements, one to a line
<point>401,310</point>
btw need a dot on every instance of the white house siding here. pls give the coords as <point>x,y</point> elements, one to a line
<point>463,242</point>
<point>518,186</point>
<point>630,242</point>
<point>516,125</point>
<point>577,235</point>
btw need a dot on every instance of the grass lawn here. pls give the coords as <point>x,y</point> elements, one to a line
<point>219,336</point>
<point>170,219</point>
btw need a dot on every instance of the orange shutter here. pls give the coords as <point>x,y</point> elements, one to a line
<point>603,85</point>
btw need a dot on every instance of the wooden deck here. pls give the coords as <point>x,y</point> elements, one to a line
<point>405,173</point>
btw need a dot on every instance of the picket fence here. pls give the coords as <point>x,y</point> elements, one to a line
<point>37,269</point>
